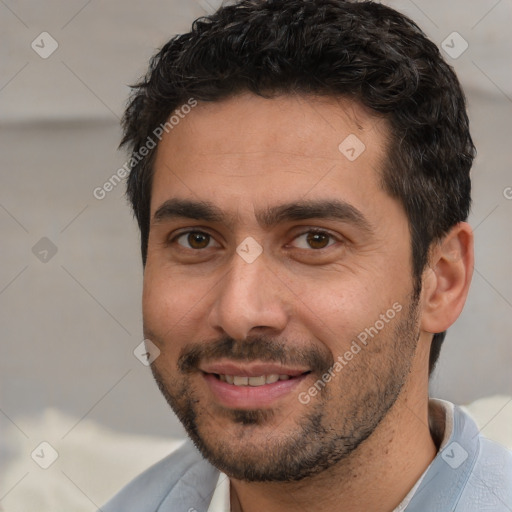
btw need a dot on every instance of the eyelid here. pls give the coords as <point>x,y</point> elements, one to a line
<point>186,231</point>
<point>312,229</point>
<point>172,238</point>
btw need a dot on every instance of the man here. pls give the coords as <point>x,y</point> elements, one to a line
<point>300,176</point>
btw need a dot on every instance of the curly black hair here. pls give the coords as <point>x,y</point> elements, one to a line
<point>364,51</point>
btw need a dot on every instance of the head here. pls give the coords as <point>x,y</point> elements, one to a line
<point>267,95</point>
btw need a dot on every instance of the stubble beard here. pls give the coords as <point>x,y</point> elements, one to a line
<point>263,447</point>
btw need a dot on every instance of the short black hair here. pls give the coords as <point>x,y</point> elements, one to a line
<point>363,51</point>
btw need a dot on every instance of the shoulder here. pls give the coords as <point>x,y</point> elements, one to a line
<point>470,472</point>
<point>181,470</point>
<point>489,486</point>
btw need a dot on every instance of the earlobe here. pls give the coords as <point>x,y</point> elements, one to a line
<point>446,280</point>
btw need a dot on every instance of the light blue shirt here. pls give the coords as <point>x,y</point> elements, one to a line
<point>470,473</point>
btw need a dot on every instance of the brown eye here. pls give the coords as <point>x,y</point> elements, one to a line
<point>198,240</point>
<point>317,240</point>
<point>194,240</point>
<point>314,239</point>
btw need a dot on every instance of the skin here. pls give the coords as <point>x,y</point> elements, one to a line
<point>245,155</point>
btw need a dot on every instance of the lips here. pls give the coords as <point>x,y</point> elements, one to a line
<point>250,385</point>
<point>254,369</point>
<point>261,380</point>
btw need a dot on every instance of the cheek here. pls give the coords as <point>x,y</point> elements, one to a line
<point>341,311</point>
<point>170,309</point>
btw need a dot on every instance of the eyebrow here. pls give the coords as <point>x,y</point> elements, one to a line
<point>185,208</point>
<point>332,209</point>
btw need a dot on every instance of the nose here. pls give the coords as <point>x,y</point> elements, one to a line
<point>249,300</point>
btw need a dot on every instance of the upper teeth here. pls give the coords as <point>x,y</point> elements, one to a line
<point>239,380</point>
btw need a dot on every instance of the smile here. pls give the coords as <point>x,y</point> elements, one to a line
<point>242,380</point>
<point>255,391</point>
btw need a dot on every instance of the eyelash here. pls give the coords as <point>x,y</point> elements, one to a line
<point>309,231</point>
<point>186,233</point>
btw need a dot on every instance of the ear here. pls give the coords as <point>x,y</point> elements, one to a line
<point>447,278</point>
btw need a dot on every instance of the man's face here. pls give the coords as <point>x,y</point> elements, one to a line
<point>273,254</point>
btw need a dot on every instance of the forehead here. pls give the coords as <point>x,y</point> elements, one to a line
<point>257,151</point>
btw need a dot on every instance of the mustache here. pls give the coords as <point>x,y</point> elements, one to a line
<point>256,348</point>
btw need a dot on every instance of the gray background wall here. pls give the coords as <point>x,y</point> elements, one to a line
<point>71,323</point>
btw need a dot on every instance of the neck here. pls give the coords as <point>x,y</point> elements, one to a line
<point>376,477</point>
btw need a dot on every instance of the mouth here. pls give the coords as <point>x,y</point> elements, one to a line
<point>261,380</point>
<point>251,386</point>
